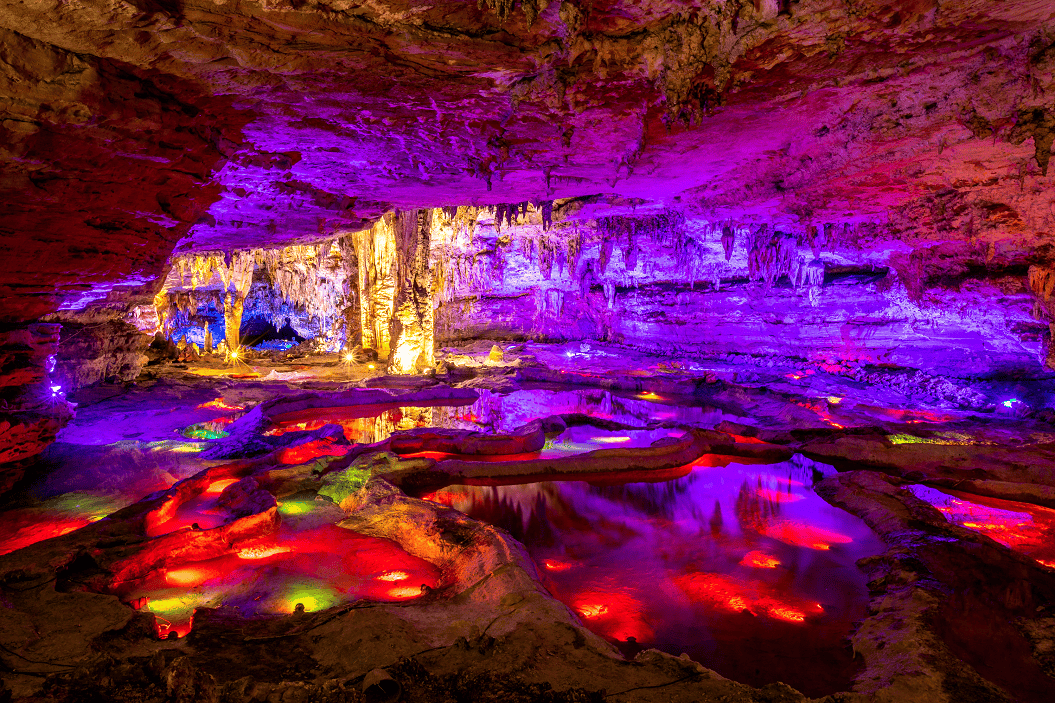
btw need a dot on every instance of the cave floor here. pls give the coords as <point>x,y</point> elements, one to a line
<point>955,485</point>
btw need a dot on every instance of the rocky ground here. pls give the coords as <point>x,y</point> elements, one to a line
<point>955,614</point>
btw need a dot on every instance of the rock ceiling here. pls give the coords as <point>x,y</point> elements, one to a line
<point>130,128</point>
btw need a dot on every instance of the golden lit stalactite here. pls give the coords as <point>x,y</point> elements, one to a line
<point>1041,280</point>
<point>412,327</point>
<point>375,250</point>
<point>237,276</point>
<point>314,278</point>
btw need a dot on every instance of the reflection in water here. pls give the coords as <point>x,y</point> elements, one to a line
<point>504,413</point>
<point>365,424</point>
<point>743,567</point>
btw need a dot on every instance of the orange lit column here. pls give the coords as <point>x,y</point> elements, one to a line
<point>412,326</point>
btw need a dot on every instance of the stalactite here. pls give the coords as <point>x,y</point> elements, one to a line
<point>502,8</point>
<point>606,255</point>
<point>545,258</point>
<point>574,243</point>
<point>770,257</point>
<point>587,280</point>
<point>547,215</point>
<point>728,240</point>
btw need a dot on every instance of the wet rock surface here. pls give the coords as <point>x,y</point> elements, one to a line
<point>943,596</point>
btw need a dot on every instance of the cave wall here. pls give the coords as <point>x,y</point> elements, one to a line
<point>32,407</point>
<point>717,290</point>
<point>102,350</point>
<point>105,166</point>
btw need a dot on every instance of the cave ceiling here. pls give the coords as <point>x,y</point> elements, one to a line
<point>132,129</point>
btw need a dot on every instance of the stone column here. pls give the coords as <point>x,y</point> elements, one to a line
<point>412,326</point>
<point>237,279</point>
<point>375,251</point>
<point>352,313</point>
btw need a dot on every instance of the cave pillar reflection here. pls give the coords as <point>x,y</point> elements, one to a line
<point>412,326</point>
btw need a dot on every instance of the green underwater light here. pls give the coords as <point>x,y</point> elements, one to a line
<point>313,596</point>
<point>203,432</point>
<point>295,507</point>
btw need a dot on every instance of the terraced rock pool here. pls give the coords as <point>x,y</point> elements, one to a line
<point>741,566</point>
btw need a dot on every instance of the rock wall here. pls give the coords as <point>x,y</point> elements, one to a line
<point>32,408</point>
<point>103,350</point>
<point>741,293</point>
<point>104,166</point>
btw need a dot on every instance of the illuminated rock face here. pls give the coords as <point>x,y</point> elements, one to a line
<point>128,133</point>
<point>911,136</point>
<point>33,409</point>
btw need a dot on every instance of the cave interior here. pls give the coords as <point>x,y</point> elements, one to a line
<point>527,350</point>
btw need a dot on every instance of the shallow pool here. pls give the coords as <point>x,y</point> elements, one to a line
<point>741,566</point>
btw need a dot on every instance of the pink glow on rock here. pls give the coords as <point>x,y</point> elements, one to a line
<point>313,449</point>
<point>263,577</point>
<point>1024,527</point>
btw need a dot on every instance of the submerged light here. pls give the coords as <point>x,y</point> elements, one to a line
<point>593,610</point>
<point>293,508</point>
<point>611,440</point>
<point>262,552</point>
<point>759,560</point>
<point>311,598</point>
<point>219,486</point>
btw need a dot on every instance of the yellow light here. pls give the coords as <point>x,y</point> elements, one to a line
<point>218,486</point>
<point>185,577</point>
<point>261,552</point>
<point>349,357</point>
<point>234,354</point>
<point>168,604</point>
<point>611,440</point>
<point>834,400</point>
<point>371,366</point>
<point>394,576</point>
<point>593,611</point>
